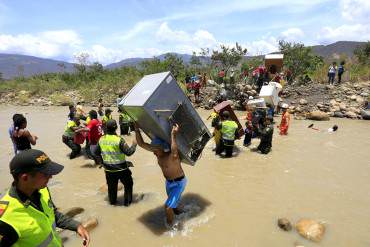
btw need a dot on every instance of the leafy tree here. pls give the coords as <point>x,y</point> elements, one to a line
<point>299,59</point>
<point>195,60</point>
<point>82,62</point>
<point>363,53</point>
<point>174,64</point>
<point>228,57</point>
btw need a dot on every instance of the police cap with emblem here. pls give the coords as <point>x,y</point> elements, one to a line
<point>34,160</point>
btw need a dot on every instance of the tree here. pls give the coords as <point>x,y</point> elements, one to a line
<point>174,64</point>
<point>195,60</point>
<point>62,67</point>
<point>363,53</point>
<point>1,76</point>
<point>228,57</point>
<point>299,59</point>
<point>82,62</point>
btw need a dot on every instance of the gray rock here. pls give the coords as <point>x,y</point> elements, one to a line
<point>350,114</point>
<point>284,224</point>
<point>303,102</point>
<point>338,114</point>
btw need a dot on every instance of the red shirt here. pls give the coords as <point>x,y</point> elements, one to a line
<point>95,131</point>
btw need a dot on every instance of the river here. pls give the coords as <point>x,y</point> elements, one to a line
<point>229,202</point>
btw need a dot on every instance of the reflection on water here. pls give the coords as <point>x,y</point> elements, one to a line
<point>228,202</point>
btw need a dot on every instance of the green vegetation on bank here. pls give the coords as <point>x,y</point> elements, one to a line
<point>94,81</point>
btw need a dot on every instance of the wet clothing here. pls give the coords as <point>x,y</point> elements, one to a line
<point>112,150</point>
<point>284,124</point>
<point>68,139</point>
<point>174,189</point>
<point>95,131</point>
<point>266,139</point>
<point>229,131</point>
<point>22,143</point>
<point>24,208</point>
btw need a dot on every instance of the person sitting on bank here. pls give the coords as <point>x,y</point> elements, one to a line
<point>28,216</point>
<point>266,131</point>
<point>229,132</point>
<point>107,116</point>
<point>22,137</point>
<point>169,161</point>
<point>68,136</point>
<point>111,151</point>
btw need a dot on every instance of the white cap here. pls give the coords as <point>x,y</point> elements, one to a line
<point>250,97</point>
<point>285,106</point>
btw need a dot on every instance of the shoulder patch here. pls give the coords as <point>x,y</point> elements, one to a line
<point>3,207</point>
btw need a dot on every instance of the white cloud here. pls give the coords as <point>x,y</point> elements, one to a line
<point>292,34</point>
<point>354,32</point>
<point>137,29</point>
<point>185,42</point>
<point>47,44</point>
<point>356,10</point>
<point>263,46</point>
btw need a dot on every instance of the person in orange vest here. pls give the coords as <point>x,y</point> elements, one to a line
<point>285,120</point>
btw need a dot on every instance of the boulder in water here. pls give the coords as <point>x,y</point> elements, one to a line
<point>365,114</point>
<point>284,224</point>
<point>338,114</point>
<point>310,229</point>
<point>318,116</point>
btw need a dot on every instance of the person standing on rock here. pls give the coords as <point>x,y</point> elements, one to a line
<point>28,216</point>
<point>169,161</point>
<point>229,132</point>
<point>340,71</point>
<point>22,137</point>
<point>331,73</point>
<point>111,151</point>
<point>285,120</point>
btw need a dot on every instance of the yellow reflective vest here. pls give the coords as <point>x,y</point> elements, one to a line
<point>228,130</point>
<point>34,228</point>
<point>111,152</point>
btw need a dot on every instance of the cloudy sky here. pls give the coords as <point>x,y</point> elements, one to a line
<point>112,30</point>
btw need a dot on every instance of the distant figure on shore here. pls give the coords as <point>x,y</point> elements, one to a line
<point>22,137</point>
<point>285,120</point>
<point>331,73</point>
<point>112,150</point>
<point>11,131</point>
<point>100,107</point>
<point>340,71</point>
<point>266,131</point>
<point>169,161</point>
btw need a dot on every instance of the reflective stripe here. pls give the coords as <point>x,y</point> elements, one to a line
<point>112,162</point>
<point>119,170</point>
<point>111,153</point>
<point>47,241</point>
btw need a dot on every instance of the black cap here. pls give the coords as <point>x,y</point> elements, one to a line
<point>34,160</point>
<point>111,124</point>
<point>226,114</point>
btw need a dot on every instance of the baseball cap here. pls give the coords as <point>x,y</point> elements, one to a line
<point>34,160</point>
<point>163,144</point>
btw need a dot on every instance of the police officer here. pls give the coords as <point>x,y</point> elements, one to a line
<point>28,216</point>
<point>229,132</point>
<point>124,122</point>
<point>112,150</point>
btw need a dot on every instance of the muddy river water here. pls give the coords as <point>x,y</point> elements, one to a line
<point>229,202</point>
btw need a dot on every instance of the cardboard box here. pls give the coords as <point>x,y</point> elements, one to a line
<point>156,102</point>
<point>225,106</point>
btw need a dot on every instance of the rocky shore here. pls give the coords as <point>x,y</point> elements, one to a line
<point>319,101</point>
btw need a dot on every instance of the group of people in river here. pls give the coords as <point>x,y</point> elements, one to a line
<point>258,124</point>
<point>29,198</point>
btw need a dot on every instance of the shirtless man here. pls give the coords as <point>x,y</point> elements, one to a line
<point>169,161</point>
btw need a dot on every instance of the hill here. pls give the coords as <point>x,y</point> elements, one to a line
<point>337,48</point>
<point>12,65</point>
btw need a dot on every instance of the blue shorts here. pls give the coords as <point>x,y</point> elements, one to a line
<point>174,190</point>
